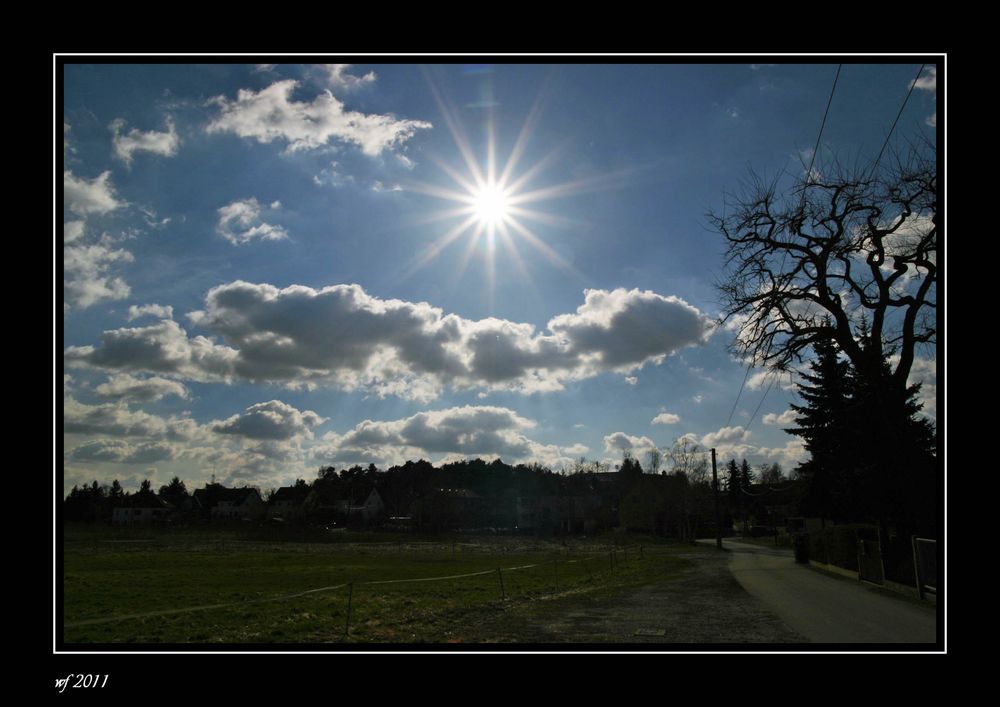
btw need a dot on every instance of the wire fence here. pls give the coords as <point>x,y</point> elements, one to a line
<point>571,570</point>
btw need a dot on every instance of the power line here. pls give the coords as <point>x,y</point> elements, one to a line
<point>822,125</point>
<point>763,397</point>
<point>908,94</point>
<point>731,412</point>
<point>812,161</point>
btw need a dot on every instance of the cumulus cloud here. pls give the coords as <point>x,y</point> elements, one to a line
<point>341,335</point>
<point>84,198</point>
<point>340,80</point>
<point>785,418</point>
<point>86,276</point>
<point>460,432</point>
<point>161,348</point>
<point>122,452</point>
<point>273,420</point>
<point>618,442</point>
<point>927,81</point>
<point>726,436</point>
<point>240,223</point>
<point>73,231</point>
<point>122,386</point>
<point>118,420</point>
<point>785,380</point>
<point>126,144</point>
<point>666,418</point>
<point>271,114</point>
<point>150,310</point>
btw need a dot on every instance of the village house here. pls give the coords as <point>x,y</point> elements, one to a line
<point>221,503</point>
<point>287,502</point>
<point>141,509</point>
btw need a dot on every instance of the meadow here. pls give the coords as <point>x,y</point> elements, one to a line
<point>265,586</point>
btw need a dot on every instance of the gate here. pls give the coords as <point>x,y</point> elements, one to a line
<point>925,565</point>
<point>870,567</point>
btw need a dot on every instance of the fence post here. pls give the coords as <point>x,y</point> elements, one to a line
<point>503,594</point>
<point>555,571</point>
<point>350,597</point>
<point>916,568</point>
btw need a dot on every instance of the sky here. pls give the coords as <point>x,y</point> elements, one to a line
<point>269,268</point>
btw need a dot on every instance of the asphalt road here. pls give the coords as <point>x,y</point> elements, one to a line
<point>826,609</point>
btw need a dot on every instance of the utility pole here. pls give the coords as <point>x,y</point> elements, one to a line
<point>715,488</point>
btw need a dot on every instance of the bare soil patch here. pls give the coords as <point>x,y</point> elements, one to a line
<point>703,605</point>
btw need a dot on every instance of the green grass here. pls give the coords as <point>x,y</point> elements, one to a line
<point>109,574</point>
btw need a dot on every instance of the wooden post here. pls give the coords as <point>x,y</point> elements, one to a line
<point>715,487</point>
<point>503,594</point>
<point>916,568</point>
<point>350,597</point>
<point>555,571</point>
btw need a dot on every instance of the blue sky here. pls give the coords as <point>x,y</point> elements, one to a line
<point>265,270</point>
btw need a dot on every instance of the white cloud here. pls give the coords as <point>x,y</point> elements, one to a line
<point>150,310</point>
<point>461,432</point>
<point>339,80</point>
<point>117,420</point>
<point>271,114</point>
<point>927,81</point>
<point>126,144</point>
<point>576,450</point>
<point>666,418</point>
<point>67,146</point>
<point>726,436</point>
<point>84,198</point>
<point>163,347</point>
<point>273,420</point>
<point>122,452</point>
<point>631,380</point>
<point>620,442</point>
<point>85,273</point>
<point>73,231</point>
<point>123,386</point>
<point>784,380</point>
<point>697,399</point>
<point>932,120</point>
<point>785,418</point>
<point>240,223</point>
<point>295,336</point>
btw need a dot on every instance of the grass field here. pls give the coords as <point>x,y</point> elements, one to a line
<point>401,589</point>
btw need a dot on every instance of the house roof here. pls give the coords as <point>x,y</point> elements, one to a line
<point>290,494</point>
<point>208,497</point>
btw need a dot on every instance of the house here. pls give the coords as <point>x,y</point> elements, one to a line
<point>368,510</point>
<point>221,503</point>
<point>287,502</point>
<point>141,509</point>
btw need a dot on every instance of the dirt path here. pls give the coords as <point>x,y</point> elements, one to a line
<point>704,604</point>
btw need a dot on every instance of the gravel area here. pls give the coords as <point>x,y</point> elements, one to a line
<point>703,605</point>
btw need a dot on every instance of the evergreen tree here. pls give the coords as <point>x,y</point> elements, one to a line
<point>823,422</point>
<point>175,493</point>
<point>894,450</point>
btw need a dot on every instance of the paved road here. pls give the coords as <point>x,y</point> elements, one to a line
<point>826,609</point>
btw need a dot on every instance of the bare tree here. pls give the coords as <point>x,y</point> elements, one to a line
<point>690,458</point>
<point>654,460</point>
<point>837,252</point>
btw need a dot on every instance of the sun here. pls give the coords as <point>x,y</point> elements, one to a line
<point>491,205</point>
